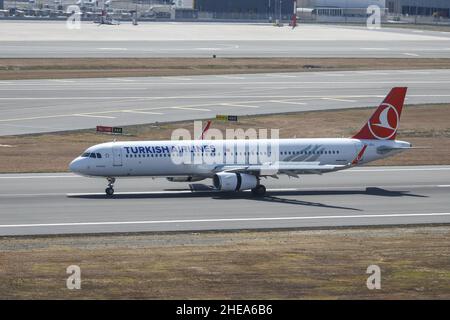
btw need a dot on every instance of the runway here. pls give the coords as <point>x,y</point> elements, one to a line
<point>178,39</point>
<point>225,49</point>
<point>64,203</point>
<point>36,106</point>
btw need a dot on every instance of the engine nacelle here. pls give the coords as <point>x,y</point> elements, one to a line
<point>184,179</point>
<point>226,181</point>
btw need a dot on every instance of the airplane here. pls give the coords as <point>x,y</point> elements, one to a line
<point>239,165</point>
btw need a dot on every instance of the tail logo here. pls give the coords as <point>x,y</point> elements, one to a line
<point>384,123</point>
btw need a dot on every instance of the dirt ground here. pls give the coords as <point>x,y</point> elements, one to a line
<point>54,68</point>
<point>424,126</point>
<point>308,264</point>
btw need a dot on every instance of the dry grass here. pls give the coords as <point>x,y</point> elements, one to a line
<point>316,264</point>
<point>427,126</point>
<point>54,68</point>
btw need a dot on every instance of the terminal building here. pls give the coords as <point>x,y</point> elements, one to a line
<point>438,8</point>
<point>251,8</point>
<point>339,7</point>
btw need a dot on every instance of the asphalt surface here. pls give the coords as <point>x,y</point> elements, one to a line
<point>225,49</point>
<point>177,39</point>
<point>34,106</point>
<point>64,203</point>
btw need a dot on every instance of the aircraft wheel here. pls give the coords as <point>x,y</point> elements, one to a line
<point>109,191</point>
<point>259,190</point>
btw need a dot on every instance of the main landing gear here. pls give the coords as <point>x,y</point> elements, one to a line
<point>110,190</point>
<point>259,190</point>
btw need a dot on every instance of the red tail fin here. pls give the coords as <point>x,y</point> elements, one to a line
<point>384,122</point>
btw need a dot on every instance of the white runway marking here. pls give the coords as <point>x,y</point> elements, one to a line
<point>141,112</point>
<point>339,100</point>
<point>411,54</point>
<point>92,116</point>
<point>189,108</point>
<point>375,49</point>
<point>105,223</point>
<point>113,49</point>
<point>288,102</point>
<point>238,105</point>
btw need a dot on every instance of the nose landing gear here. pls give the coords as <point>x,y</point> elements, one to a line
<point>110,189</point>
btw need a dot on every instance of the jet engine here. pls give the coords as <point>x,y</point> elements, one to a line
<point>184,179</point>
<point>226,181</point>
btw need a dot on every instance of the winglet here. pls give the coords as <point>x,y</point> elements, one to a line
<point>384,122</point>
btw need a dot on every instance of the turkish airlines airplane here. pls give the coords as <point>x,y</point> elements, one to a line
<point>237,165</point>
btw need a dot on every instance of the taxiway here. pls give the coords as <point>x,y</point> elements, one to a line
<point>63,203</point>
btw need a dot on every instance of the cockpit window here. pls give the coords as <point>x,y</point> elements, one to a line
<point>99,156</point>
<point>92,155</point>
<point>85,155</point>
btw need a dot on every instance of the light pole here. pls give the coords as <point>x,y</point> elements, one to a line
<point>281,1</point>
<point>345,9</point>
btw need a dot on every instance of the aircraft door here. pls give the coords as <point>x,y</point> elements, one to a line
<point>117,155</point>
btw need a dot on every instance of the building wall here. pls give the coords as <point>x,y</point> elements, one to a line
<point>262,7</point>
<point>340,3</point>
<point>341,8</point>
<point>419,7</point>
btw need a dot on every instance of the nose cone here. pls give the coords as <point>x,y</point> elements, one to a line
<point>75,166</point>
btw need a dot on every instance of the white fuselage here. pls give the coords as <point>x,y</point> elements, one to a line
<point>200,158</point>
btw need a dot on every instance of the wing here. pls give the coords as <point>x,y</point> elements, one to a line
<point>288,168</point>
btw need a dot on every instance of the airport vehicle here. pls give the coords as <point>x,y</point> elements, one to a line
<point>237,165</point>
<point>104,17</point>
